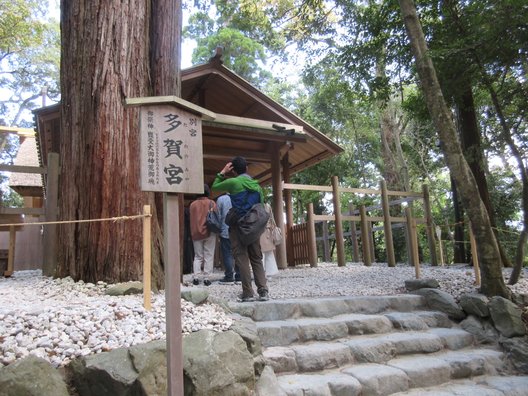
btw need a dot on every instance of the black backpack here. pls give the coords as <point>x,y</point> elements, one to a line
<point>250,227</point>
<point>213,221</point>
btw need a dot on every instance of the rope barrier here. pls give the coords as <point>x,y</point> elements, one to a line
<point>114,219</point>
<point>463,223</point>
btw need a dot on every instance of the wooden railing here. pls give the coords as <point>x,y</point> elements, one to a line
<point>304,238</point>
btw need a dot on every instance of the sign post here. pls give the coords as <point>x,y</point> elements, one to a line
<point>170,144</point>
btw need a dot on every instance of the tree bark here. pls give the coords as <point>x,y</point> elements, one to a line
<point>488,251</point>
<point>472,147</point>
<point>459,249</point>
<point>105,58</point>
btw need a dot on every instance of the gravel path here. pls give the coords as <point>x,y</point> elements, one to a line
<point>58,319</point>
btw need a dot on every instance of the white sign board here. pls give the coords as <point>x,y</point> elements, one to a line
<point>171,150</point>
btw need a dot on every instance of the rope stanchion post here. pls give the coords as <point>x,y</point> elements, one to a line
<point>146,258</point>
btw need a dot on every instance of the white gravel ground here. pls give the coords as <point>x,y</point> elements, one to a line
<point>59,319</point>
<point>356,279</point>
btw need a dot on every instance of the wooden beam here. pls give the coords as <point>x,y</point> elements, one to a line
<point>250,133</point>
<point>223,153</point>
<point>28,132</point>
<point>285,129</point>
<point>21,211</point>
<point>290,186</point>
<point>175,100</point>
<point>22,169</point>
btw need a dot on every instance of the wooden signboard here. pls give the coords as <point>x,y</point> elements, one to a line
<point>171,162</point>
<point>171,144</point>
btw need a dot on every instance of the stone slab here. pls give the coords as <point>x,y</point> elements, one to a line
<point>378,380</point>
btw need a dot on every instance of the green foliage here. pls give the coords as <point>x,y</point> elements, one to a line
<point>29,70</point>
<point>240,54</point>
<point>10,198</point>
<point>9,146</point>
<point>243,29</point>
<point>19,27</point>
<point>359,64</point>
<point>29,54</point>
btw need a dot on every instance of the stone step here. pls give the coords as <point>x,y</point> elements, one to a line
<point>286,332</point>
<point>377,348</point>
<point>481,386</point>
<point>327,307</point>
<point>400,375</point>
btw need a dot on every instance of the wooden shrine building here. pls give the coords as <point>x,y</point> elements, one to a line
<point>275,142</point>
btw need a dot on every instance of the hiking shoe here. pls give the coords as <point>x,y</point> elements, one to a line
<point>243,298</point>
<point>263,295</point>
<point>196,282</point>
<point>227,280</point>
<point>207,282</point>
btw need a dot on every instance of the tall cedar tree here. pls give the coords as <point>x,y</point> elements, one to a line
<point>110,50</point>
<point>488,251</point>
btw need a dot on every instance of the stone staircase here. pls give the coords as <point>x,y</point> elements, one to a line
<point>377,345</point>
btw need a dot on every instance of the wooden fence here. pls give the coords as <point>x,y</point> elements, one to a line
<point>11,216</point>
<point>304,240</point>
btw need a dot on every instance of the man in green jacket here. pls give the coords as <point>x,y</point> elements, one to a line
<point>244,192</point>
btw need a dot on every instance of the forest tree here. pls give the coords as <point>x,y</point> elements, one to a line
<point>111,50</point>
<point>488,250</point>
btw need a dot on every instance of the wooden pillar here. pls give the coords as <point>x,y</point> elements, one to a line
<point>147,257</point>
<point>387,225</point>
<point>440,247</point>
<point>326,243</point>
<point>278,211</point>
<point>171,258</point>
<point>353,235</point>
<point>11,252</point>
<point>413,241</point>
<point>408,239</point>
<point>310,230</point>
<point>340,242</point>
<point>49,264</point>
<point>288,204</point>
<point>429,225</point>
<point>372,244</point>
<point>364,236</point>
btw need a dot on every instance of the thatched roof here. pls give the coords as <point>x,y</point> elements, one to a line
<point>247,122</point>
<point>26,184</point>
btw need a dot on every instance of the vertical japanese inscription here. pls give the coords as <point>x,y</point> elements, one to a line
<point>170,137</point>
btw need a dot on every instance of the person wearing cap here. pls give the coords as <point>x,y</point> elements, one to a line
<point>244,192</point>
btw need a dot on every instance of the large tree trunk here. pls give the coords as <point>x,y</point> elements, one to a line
<point>471,144</point>
<point>105,58</point>
<point>488,251</point>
